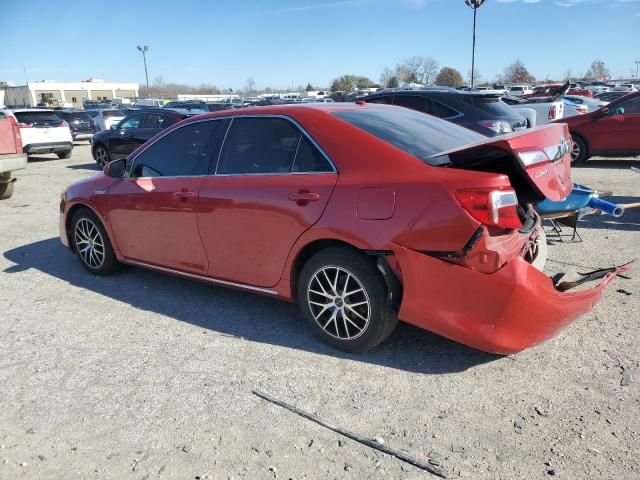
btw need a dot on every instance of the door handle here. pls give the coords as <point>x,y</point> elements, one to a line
<point>184,196</point>
<point>304,196</point>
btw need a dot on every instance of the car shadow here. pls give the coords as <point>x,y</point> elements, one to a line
<point>84,166</point>
<point>241,315</point>
<point>619,164</point>
<point>47,157</point>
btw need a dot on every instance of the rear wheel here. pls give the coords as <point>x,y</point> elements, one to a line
<point>65,154</point>
<point>578,150</point>
<point>101,156</point>
<point>343,297</point>
<point>6,190</point>
<point>92,244</point>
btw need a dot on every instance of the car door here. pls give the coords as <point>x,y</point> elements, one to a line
<point>618,130</point>
<point>153,209</point>
<point>121,139</point>
<point>272,182</point>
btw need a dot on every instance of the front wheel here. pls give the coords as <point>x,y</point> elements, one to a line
<point>578,150</point>
<point>101,156</point>
<point>92,244</point>
<point>64,155</point>
<point>343,297</point>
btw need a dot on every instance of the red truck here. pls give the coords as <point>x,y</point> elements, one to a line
<point>12,157</point>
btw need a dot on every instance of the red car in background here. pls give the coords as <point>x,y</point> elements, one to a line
<point>611,131</point>
<point>363,214</point>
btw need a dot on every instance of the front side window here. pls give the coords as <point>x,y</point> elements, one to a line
<point>181,153</point>
<point>259,146</point>
<point>628,107</point>
<point>133,121</point>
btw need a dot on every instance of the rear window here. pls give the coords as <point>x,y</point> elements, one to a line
<point>44,119</point>
<point>75,116</point>
<point>491,105</point>
<point>417,134</point>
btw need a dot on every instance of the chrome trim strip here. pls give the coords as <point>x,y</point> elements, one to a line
<point>199,277</point>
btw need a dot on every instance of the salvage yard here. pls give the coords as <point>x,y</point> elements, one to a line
<point>145,376</point>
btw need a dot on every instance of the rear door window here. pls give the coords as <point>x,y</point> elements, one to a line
<point>415,102</point>
<point>383,100</point>
<point>39,119</point>
<point>259,146</point>
<point>493,106</point>
<point>184,152</point>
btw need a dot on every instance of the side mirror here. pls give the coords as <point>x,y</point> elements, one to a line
<point>114,127</point>
<point>116,168</point>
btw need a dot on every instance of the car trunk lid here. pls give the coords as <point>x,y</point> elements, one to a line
<point>537,161</point>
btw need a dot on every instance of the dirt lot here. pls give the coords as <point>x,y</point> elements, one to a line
<point>145,376</point>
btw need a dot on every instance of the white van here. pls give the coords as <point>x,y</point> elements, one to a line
<point>43,132</point>
<point>519,90</point>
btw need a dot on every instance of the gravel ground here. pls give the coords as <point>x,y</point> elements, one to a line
<point>145,376</point>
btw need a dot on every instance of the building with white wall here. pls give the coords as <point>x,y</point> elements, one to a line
<point>33,93</point>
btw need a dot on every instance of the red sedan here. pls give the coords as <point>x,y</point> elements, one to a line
<point>363,214</point>
<point>611,131</point>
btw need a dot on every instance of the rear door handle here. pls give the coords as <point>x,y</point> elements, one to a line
<point>184,196</point>
<point>304,196</point>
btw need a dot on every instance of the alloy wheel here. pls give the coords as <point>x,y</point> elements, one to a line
<point>102,157</point>
<point>89,243</point>
<point>575,151</point>
<point>339,303</point>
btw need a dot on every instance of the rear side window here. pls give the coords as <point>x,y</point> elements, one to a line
<point>182,153</point>
<point>309,159</point>
<point>158,121</point>
<point>39,119</point>
<point>444,111</point>
<point>383,100</point>
<point>258,146</point>
<point>417,134</point>
<point>415,102</point>
<point>492,105</point>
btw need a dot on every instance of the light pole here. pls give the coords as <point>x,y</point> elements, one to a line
<point>637,63</point>
<point>144,51</point>
<point>475,5</point>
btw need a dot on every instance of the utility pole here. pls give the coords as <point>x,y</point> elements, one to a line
<point>144,51</point>
<point>475,5</point>
<point>637,63</point>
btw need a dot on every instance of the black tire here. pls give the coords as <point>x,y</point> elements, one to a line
<point>364,326</point>
<point>579,150</point>
<point>64,155</point>
<point>101,155</point>
<point>86,227</point>
<point>6,190</point>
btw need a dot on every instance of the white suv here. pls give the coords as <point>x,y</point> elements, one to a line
<point>43,132</point>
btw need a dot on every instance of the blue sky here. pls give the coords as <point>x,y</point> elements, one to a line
<point>276,42</point>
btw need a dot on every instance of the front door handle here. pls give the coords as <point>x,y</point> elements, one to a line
<point>304,196</point>
<point>184,195</point>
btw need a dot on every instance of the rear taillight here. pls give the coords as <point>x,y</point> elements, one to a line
<point>552,112</point>
<point>495,207</point>
<point>17,138</point>
<point>498,126</point>
<point>532,157</point>
<point>582,109</point>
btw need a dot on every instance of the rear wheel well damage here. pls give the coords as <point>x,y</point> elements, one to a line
<point>376,257</point>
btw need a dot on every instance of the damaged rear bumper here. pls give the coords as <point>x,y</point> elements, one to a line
<point>504,312</point>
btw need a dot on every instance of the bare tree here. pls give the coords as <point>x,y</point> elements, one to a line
<point>598,71</point>
<point>568,75</point>
<point>518,73</point>
<point>422,70</point>
<point>387,77</point>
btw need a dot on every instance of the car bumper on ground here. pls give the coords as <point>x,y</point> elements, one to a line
<point>53,147</point>
<point>505,312</point>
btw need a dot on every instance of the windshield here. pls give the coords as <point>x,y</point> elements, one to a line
<point>44,119</point>
<point>417,134</point>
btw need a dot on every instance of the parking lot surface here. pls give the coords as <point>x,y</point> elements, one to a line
<point>145,376</point>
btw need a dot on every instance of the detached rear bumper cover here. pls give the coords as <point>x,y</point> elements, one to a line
<point>504,312</point>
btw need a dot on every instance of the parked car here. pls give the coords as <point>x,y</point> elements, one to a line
<point>612,131</point>
<point>624,87</point>
<point>571,109</point>
<point>592,104</point>
<point>12,157</point>
<point>42,131</point>
<point>131,132</point>
<point>195,105</point>
<point>483,112</point>
<point>519,90</point>
<point>547,108</point>
<point>609,96</point>
<point>217,106</point>
<point>107,117</point>
<point>149,103</point>
<point>81,125</point>
<point>346,209</point>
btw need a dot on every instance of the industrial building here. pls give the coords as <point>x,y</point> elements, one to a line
<point>34,93</point>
